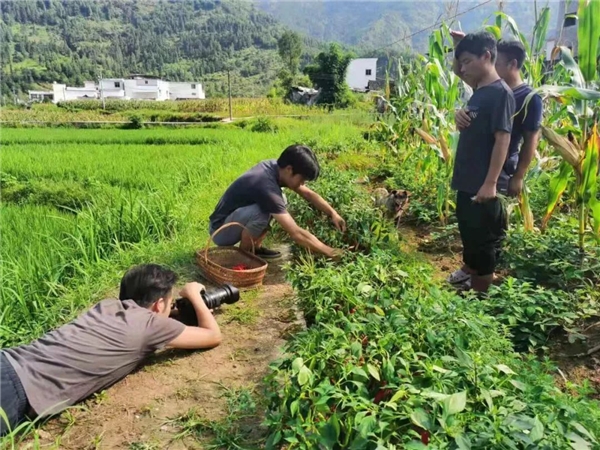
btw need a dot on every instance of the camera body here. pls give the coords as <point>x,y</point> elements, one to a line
<point>184,310</point>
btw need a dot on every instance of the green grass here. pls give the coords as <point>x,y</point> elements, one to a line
<point>81,206</point>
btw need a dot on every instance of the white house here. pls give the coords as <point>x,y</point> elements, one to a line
<point>360,72</point>
<point>139,87</point>
<point>62,92</point>
<point>185,91</point>
<point>40,96</point>
<point>135,87</point>
<point>112,88</point>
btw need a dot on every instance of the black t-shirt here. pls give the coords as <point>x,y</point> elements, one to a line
<point>528,119</point>
<point>259,185</point>
<point>491,109</point>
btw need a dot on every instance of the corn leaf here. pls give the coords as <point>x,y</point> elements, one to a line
<point>568,150</point>
<point>540,30</point>
<point>426,136</point>
<point>569,63</point>
<point>495,30</point>
<point>525,209</point>
<point>558,184</point>
<point>588,35</point>
<point>568,92</point>
<point>514,29</point>
<point>589,169</point>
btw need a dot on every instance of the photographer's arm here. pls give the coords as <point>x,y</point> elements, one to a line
<point>207,334</point>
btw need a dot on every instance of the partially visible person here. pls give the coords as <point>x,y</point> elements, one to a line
<point>101,346</point>
<point>526,126</point>
<point>480,157</point>
<point>257,196</point>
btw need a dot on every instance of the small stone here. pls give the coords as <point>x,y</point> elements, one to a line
<point>44,434</point>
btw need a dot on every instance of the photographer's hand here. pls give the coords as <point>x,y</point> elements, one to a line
<point>207,334</point>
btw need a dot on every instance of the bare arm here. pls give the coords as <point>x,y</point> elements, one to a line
<point>526,155</point>
<point>207,334</point>
<point>302,237</point>
<point>530,143</point>
<point>319,202</point>
<point>499,152</point>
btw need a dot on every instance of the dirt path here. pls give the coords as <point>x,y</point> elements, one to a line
<point>203,389</point>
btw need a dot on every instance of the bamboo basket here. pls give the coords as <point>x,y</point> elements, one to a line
<point>217,262</point>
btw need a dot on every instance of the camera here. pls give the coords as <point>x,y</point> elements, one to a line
<point>184,310</point>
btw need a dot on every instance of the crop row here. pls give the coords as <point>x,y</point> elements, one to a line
<point>392,360</point>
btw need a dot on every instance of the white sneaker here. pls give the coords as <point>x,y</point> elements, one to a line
<point>458,276</point>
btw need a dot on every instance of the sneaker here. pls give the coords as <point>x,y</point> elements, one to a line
<point>458,276</point>
<point>267,253</point>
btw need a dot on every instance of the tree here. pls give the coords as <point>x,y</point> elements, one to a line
<point>289,46</point>
<point>328,73</point>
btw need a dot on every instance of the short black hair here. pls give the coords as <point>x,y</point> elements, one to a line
<point>147,283</point>
<point>477,44</point>
<point>303,161</point>
<point>513,50</point>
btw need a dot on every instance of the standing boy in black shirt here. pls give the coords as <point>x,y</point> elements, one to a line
<point>480,157</point>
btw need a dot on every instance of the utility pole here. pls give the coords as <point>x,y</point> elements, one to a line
<point>229,84</point>
<point>101,91</point>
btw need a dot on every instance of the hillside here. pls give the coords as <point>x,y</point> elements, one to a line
<point>76,40</point>
<point>372,24</point>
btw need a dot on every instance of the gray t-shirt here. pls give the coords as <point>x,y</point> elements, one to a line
<point>491,109</point>
<point>91,353</point>
<point>259,185</point>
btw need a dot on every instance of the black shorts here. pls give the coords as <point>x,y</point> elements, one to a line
<point>13,399</point>
<point>482,229</point>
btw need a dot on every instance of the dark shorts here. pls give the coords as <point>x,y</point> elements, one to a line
<point>252,217</point>
<point>482,229</point>
<point>12,396</point>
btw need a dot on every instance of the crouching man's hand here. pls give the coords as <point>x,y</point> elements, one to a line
<point>338,222</point>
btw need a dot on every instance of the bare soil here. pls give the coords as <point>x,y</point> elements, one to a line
<point>136,413</point>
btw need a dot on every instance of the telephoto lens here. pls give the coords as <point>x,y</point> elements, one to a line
<point>213,298</point>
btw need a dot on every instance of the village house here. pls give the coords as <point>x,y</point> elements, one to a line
<point>566,29</point>
<point>360,72</point>
<point>135,87</point>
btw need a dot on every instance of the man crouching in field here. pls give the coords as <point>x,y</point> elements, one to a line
<point>101,346</point>
<point>256,197</point>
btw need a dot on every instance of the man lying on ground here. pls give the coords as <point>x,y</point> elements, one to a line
<point>257,196</point>
<point>101,346</point>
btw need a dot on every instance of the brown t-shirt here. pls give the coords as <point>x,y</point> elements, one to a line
<point>91,353</point>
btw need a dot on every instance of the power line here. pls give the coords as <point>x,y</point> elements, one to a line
<point>435,25</point>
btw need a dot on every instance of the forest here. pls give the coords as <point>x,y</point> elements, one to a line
<point>71,41</point>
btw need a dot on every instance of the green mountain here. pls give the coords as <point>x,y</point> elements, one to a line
<point>375,26</point>
<point>72,41</point>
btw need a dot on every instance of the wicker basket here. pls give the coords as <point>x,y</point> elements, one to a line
<point>217,262</point>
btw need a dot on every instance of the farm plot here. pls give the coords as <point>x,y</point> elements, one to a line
<point>77,204</point>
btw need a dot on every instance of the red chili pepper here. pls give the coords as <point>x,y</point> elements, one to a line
<point>425,437</point>
<point>240,267</point>
<point>381,395</point>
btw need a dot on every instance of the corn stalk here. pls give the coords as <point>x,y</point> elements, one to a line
<point>579,154</point>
